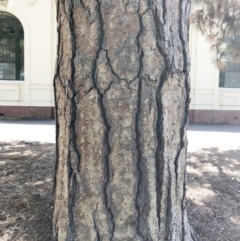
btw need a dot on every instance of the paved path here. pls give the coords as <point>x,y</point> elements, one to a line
<point>31,130</point>
<point>225,137</point>
<point>199,136</point>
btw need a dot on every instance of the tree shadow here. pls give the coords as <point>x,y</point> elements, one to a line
<point>213,194</point>
<point>26,193</point>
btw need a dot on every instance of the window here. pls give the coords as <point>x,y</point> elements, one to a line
<point>229,77</point>
<point>11,48</point>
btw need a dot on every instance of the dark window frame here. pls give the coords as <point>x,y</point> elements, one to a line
<point>232,70</point>
<point>18,36</point>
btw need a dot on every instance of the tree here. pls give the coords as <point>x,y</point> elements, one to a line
<point>219,22</point>
<point>122,97</point>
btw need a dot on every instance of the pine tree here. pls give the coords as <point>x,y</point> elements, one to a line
<point>219,21</point>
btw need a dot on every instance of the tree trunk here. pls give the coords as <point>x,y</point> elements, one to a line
<point>122,96</point>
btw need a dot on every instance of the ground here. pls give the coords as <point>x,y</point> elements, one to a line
<point>214,194</point>
<point>26,191</point>
<point>27,169</point>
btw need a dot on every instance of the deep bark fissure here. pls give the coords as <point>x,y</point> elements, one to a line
<point>182,129</point>
<point>72,196</point>
<point>187,87</point>
<point>58,48</point>
<point>177,157</point>
<point>150,4</point>
<point>96,228</point>
<point>110,65</point>
<point>115,74</point>
<point>193,237</point>
<point>139,169</point>
<point>183,207</point>
<point>87,92</point>
<point>141,186</point>
<point>73,139</point>
<point>111,223</point>
<point>160,34</point>
<point>138,43</point>
<point>106,161</point>
<point>83,5</point>
<point>138,145</point>
<point>71,84</point>
<point>55,96</point>
<point>168,233</point>
<point>164,4</point>
<point>187,102</point>
<point>159,158</point>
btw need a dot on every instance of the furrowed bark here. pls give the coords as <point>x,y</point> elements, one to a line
<point>122,96</point>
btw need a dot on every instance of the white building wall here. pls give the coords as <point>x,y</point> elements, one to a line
<point>205,91</point>
<point>38,18</point>
<point>39,23</point>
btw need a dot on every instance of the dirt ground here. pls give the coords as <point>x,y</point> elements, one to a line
<point>26,192</point>
<point>213,194</point>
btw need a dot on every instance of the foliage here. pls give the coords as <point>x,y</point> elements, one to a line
<point>219,21</point>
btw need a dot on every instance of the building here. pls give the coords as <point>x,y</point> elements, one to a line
<point>27,55</point>
<point>215,94</point>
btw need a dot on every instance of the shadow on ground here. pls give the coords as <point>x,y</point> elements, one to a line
<point>213,194</point>
<point>26,192</point>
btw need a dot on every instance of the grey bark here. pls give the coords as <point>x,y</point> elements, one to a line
<point>122,96</point>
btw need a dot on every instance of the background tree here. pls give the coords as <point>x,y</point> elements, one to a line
<point>219,21</point>
<point>122,97</point>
